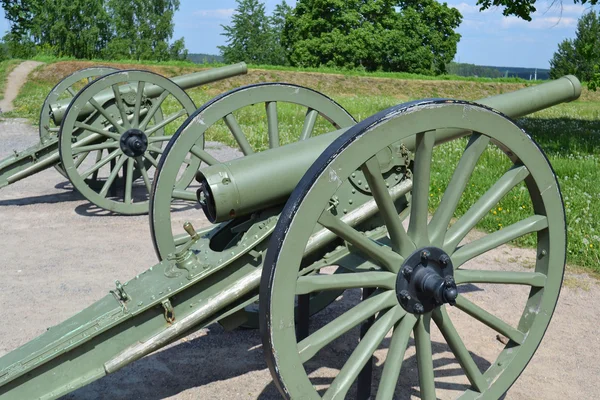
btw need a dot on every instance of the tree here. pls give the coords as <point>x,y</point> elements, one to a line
<point>581,55</point>
<point>372,34</point>
<point>521,8</point>
<point>142,30</point>
<point>277,25</point>
<point>249,37</point>
<point>139,29</point>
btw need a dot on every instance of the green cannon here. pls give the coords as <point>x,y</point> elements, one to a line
<point>340,220</point>
<point>108,137</point>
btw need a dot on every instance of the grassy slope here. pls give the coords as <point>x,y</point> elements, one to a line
<point>6,68</point>
<point>568,133</point>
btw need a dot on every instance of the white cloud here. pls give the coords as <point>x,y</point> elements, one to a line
<point>539,22</point>
<point>220,13</point>
<point>465,8</point>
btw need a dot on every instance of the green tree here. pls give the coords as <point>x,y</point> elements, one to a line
<point>581,55</point>
<point>277,24</point>
<point>412,36</point>
<point>521,8</point>
<point>142,30</point>
<point>249,37</point>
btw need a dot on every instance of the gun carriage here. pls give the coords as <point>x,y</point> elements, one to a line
<point>306,223</point>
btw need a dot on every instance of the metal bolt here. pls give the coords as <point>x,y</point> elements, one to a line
<point>404,296</point>
<point>418,308</point>
<point>425,255</point>
<point>407,271</point>
<point>444,259</point>
<point>449,281</point>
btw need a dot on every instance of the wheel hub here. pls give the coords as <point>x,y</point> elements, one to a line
<point>134,142</point>
<point>426,281</point>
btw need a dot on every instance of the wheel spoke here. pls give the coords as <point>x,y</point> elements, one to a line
<point>363,352</point>
<point>424,357</point>
<point>459,230</point>
<point>440,220</point>
<point>113,175</point>
<point>81,158</point>
<point>490,320</point>
<point>157,103</point>
<point>121,106</point>
<point>165,122</point>
<point>138,103</point>
<point>272,124</point>
<point>535,279</point>
<point>99,164</point>
<point>238,134</point>
<point>142,168</point>
<point>106,115</point>
<point>128,181</point>
<point>471,250</point>
<point>388,259</point>
<point>184,195</point>
<point>442,320</point>
<point>99,131</point>
<point>109,144</point>
<point>401,243</point>
<point>314,283</point>
<point>154,139</point>
<point>395,357</point>
<point>310,346</point>
<point>417,227</point>
<point>309,123</point>
<point>203,155</point>
<point>71,91</point>
<point>155,149</point>
<point>152,160</point>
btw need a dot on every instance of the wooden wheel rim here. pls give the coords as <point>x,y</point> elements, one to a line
<point>346,154</point>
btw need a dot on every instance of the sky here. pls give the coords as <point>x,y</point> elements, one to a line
<point>488,38</point>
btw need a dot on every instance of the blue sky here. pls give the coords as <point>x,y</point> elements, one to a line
<point>488,38</point>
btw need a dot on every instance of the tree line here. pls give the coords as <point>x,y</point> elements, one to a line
<point>105,29</point>
<point>386,35</point>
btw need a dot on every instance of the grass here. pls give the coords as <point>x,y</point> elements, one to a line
<point>6,68</point>
<point>568,133</point>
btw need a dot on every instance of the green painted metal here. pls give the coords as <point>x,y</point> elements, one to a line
<point>58,110</point>
<point>310,208</point>
<point>187,144</point>
<point>331,220</point>
<point>46,154</point>
<point>65,89</point>
<point>127,111</point>
<point>282,169</point>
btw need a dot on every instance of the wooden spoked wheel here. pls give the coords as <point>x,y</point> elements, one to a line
<point>414,276</point>
<point>279,107</point>
<point>65,89</point>
<point>112,136</point>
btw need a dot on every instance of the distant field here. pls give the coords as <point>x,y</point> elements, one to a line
<point>569,133</point>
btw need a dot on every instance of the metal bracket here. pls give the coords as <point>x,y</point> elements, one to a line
<point>169,312</point>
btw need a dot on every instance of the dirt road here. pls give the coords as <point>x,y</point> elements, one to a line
<point>15,80</point>
<point>59,254</point>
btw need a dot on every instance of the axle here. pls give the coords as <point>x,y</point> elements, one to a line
<point>247,184</point>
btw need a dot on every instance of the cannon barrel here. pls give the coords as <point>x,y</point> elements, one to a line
<point>264,179</point>
<point>188,81</point>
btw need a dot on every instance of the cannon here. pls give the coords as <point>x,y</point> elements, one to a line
<point>107,138</point>
<point>342,217</point>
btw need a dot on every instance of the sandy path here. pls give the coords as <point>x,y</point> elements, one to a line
<point>15,80</point>
<point>58,255</point>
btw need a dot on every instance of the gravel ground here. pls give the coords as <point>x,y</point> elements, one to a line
<point>59,254</point>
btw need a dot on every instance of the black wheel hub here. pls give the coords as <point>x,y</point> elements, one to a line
<point>426,281</point>
<point>134,142</point>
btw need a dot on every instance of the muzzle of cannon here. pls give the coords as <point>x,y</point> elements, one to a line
<point>81,135</point>
<point>341,218</point>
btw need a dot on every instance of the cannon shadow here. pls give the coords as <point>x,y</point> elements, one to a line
<point>230,364</point>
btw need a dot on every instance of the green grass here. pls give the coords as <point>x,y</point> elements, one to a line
<point>6,68</point>
<point>568,133</point>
